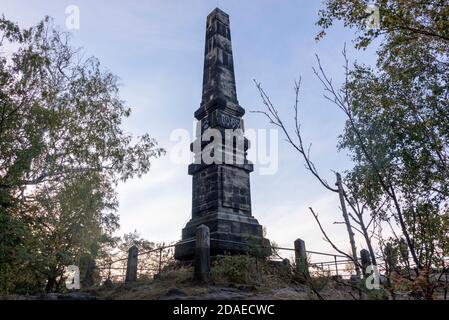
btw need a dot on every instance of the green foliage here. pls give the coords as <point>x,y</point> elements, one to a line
<point>151,258</point>
<point>398,119</point>
<point>62,153</point>
<point>234,269</point>
<point>400,21</point>
<point>376,294</point>
<point>251,271</point>
<point>255,248</point>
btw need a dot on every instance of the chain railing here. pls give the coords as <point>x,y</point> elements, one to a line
<point>148,263</point>
<point>152,263</point>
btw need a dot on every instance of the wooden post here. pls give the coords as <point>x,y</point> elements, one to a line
<point>348,223</point>
<point>131,266</point>
<point>366,261</point>
<point>302,265</point>
<point>202,254</point>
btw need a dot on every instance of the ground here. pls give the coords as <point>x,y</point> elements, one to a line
<point>178,285</point>
<point>233,278</point>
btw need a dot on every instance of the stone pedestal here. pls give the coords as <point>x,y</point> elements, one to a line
<point>222,201</point>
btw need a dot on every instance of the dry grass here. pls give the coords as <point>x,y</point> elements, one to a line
<point>234,278</point>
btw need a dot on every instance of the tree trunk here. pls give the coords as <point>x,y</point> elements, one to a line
<point>348,225</point>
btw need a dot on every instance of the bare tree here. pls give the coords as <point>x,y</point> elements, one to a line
<point>297,142</point>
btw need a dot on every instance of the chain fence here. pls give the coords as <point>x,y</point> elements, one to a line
<point>154,262</point>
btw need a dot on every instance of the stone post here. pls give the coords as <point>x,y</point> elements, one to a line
<point>301,257</point>
<point>366,261</point>
<point>88,280</point>
<point>202,254</point>
<point>131,266</point>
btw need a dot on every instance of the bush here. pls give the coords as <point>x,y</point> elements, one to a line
<point>235,269</point>
<point>249,270</point>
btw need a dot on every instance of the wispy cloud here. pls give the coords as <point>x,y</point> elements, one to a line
<point>156,48</point>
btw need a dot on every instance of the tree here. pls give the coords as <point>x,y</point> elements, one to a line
<point>400,22</point>
<point>398,117</point>
<point>396,129</point>
<point>62,152</point>
<point>296,140</point>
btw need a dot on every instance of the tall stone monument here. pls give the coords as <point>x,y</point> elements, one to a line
<point>221,196</point>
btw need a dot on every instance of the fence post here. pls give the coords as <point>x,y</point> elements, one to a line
<point>131,266</point>
<point>88,280</point>
<point>202,254</point>
<point>301,257</point>
<point>160,261</point>
<point>366,261</point>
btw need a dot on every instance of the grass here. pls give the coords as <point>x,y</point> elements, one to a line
<point>232,277</point>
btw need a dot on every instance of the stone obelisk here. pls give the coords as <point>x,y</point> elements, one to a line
<point>221,196</point>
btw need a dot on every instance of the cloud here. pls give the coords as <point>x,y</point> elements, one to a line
<point>156,48</point>
<point>157,204</point>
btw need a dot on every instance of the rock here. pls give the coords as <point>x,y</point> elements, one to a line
<point>247,288</point>
<point>50,296</point>
<point>76,296</point>
<point>299,289</point>
<point>175,292</point>
<point>66,296</point>
<point>287,293</point>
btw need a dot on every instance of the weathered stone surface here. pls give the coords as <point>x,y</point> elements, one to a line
<point>221,196</point>
<point>366,261</point>
<point>88,280</point>
<point>301,257</point>
<point>131,266</point>
<point>107,283</point>
<point>218,77</point>
<point>76,296</point>
<point>202,254</point>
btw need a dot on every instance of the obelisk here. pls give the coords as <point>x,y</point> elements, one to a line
<point>221,197</point>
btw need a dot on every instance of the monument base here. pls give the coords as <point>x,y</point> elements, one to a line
<point>229,234</point>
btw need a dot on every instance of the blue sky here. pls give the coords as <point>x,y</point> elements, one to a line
<point>156,48</point>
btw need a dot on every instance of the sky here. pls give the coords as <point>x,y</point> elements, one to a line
<point>157,50</point>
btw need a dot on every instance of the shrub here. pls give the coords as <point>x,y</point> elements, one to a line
<point>235,269</point>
